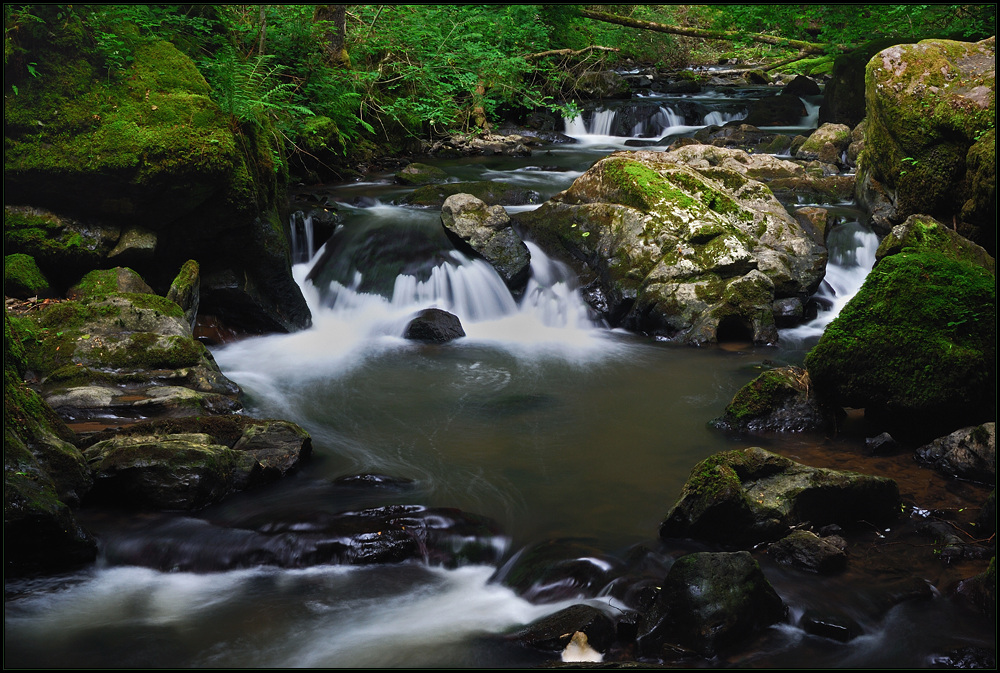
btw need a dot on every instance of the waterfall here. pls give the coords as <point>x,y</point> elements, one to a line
<point>303,237</point>
<point>852,255</point>
<point>717,118</point>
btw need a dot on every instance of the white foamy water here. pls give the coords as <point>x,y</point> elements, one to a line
<point>852,256</point>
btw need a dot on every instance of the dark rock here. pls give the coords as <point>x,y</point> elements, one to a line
<point>420,174</point>
<point>780,110</point>
<point>836,627</point>
<point>986,521</point>
<point>491,192</point>
<point>807,551</point>
<point>844,94</point>
<point>980,591</point>
<point>882,445</point>
<point>434,325</point>
<point>779,400</point>
<point>709,602</point>
<point>390,534</point>
<point>965,657</point>
<point>553,633</point>
<point>968,453</point>
<point>802,86</point>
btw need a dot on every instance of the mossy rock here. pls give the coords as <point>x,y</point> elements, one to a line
<point>747,496</point>
<point>42,474</point>
<point>23,279</point>
<point>922,233</point>
<point>109,281</point>
<point>418,174</point>
<point>917,345</point>
<point>778,400</point>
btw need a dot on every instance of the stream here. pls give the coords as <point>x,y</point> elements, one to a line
<point>541,419</point>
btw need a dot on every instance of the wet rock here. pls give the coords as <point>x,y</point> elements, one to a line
<point>554,632</point>
<point>964,657</point>
<point>390,534</point>
<point>781,110</point>
<point>710,601</point>
<point>374,481</point>
<point>135,246</point>
<point>556,570</point>
<point>980,591</point>
<point>189,463</point>
<point>779,400</point>
<point>802,86</point>
<point>827,144</point>
<point>815,220</point>
<point>432,325</point>
<point>748,496</point>
<point>882,445</point>
<point>185,291</point>
<point>923,233</point>
<point>833,626</point>
<point>808,551</point>
<point>968,453</point>
<point>486,232</point>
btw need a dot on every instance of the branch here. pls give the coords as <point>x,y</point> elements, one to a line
<point>777,64</point>
<point>805,47</point>
<point>568,52</point>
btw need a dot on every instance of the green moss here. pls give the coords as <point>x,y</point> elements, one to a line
<point>920,334</point>
<point>22,277</point>
<point>764,394</point>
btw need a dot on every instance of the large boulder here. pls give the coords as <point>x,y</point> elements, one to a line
<point>968,453</point>
<point>928,104</point>
<point>844,93</point>
<point>682,244</point>
<point>915,347</point>
<point>922,233</point>
<point>710,601</point>
<point>747,496</point>
<point>146,169</point>
<point>486,231</point>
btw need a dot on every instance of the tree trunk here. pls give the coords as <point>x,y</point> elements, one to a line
<point>805,47</point>
<point>334,33</point>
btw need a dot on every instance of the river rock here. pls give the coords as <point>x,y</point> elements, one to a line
<point>827,144</point>
<point>389,534</point>
<point>968,453</point>
<point>784,109</point>
<point>779,400</point>
<point>927,105</point>
<point>748,496</point>
<point>434,325</point>
<point>915,347</point>
<point>486,231</point>
<point>709,602</point>
<point>807,551</point>
<point>186,464</point>
<point>554,632</point>
<point>683,247</point>
<point>833,626</point>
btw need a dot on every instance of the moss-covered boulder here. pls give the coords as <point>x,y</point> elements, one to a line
<point>844,93</point>
<point>113,353</point>
<point>779,400</point>
<point>922,233</point>
<point>486,231</point>
<point>747,496</point>
<point>147,146</point>
<point>928,104</point>
<point>915,347</point>
<point>682,245</point>
<point>44,474</point>
<point>22,278</point>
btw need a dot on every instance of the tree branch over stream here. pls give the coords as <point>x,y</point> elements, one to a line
<point>801,45</point>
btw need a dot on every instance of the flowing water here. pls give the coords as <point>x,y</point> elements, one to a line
<point>541,419</point>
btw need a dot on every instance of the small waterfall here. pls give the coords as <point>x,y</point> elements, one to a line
<point>811,120</point>
<point>718,118</point>
<point>303,237</point>
<point>852,255</point>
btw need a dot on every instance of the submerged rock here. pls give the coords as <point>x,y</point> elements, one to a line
<point>557,570</point>
<point>748,496</point>
<point>555,632</point>
<point>491,192</point>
